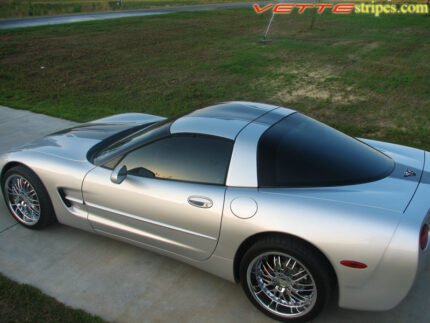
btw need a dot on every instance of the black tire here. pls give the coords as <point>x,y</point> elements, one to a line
<point>46,214</point>
<point>306,255</point>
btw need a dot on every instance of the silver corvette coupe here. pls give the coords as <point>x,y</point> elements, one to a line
<point>295,211</point>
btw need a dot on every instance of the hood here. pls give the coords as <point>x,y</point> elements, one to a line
<point>74,143</point>
<point>393,192</point>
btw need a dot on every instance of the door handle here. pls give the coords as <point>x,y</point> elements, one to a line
<point>200,201</point>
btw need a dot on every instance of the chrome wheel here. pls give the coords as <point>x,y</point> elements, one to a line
<point>22,199</point>
<point>281,284</point>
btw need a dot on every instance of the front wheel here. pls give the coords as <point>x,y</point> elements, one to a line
<point>27,199</point>
<point>286,279</point>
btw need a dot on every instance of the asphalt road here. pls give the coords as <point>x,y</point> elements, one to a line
<point>123,283</point>
<point>65,19</point>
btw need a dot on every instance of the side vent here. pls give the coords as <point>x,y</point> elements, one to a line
<point>74,205</point>
<point>63,197</point>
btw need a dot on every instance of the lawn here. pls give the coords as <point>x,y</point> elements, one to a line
<point>364,75</point>
<point>28,8</point>
<point>23,303</point>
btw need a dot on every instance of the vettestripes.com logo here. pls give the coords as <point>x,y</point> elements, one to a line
<point>372,8</point>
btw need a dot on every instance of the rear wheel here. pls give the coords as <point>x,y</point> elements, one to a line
<point>27,199</point>
<point>286,279</point>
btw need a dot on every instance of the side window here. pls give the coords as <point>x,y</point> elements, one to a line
<point>192,158</point>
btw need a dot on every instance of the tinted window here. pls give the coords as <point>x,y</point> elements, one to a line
<point>299,151</point>
<point>201,159</point>
<point>114,150</point>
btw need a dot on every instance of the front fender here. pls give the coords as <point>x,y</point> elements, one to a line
<point>57,175</point>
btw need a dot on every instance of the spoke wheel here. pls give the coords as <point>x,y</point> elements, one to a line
<point>26,198</point>
<point>22,199</point>
<point>281,284</point>
<point>286,278</point>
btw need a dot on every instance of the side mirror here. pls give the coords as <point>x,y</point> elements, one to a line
<point>119,174</point>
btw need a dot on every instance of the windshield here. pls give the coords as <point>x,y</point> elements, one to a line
<point>127,143</point>
<point>301,152</point>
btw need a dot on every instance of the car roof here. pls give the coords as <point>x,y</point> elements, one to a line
<point>222,120</point>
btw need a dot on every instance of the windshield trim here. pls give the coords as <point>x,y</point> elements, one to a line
<point>96,156</point>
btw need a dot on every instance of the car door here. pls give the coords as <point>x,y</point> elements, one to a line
<point>172,198</point>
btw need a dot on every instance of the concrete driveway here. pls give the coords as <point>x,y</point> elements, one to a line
<point>122,283</point>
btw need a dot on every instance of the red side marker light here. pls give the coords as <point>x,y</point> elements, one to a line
<point>353,264</point>
<point>424,236</point>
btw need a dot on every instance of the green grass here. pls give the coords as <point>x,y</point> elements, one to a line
<point>28,8</point>
<point>23,303</point>
<point>366,76</point>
